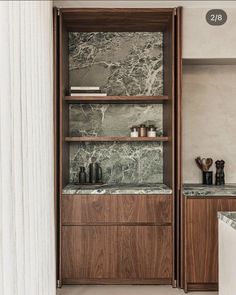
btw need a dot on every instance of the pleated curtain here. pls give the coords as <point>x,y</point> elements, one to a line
<point>27,243</point>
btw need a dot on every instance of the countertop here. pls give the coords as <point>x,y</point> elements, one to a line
<point>117,189</point>
<point>229,218</point>
<point>194,190</point>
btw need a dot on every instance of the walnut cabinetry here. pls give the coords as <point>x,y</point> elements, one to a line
<point>130,237</point>
<point>126,254</point>
<point>117,239</point>
<point>201,240</point>
<point>102,209</point>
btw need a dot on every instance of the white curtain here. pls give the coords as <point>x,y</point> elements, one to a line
<point>27,244</point>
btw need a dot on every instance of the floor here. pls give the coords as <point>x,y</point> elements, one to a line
<point>125,290</point>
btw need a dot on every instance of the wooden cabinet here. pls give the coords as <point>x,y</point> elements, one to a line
<point>117,254</point>
<point>145,253</point>
<point>89,252</point>
<point>117,239</point>
<point>201,241</point>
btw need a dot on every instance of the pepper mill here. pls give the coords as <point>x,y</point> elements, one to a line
<point>222,173</point>
<point>218,171</point>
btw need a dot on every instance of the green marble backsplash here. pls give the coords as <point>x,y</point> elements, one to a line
<point>121,162</point>
<point>121,64</point>
<point>112,119</point>
<point>124,63</point>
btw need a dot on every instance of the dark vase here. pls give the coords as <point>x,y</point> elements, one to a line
<point>207,177</point>
<point>95,173</point>
<point>82,175</point>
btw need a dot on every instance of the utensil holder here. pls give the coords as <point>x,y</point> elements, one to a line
<point>207,177</point>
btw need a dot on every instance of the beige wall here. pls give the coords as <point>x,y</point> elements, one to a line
<point>209,118</point>
<point>201,40</point>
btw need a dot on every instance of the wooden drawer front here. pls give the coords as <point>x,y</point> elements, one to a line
<point>90,209</point>
<point>83,209</point>
<point>116,253</point>
<point>145,208</point>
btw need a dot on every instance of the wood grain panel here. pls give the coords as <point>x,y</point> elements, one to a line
<point>116,253</point>
<point>178,148</point>
<point>145,208</point>
<point>91,209</point>
<point>89,252</point>
<point>117,281</point>
<point>116,19</point>
<point>145,252</point>
<point>64,108</point>
<point>116,99</point>
<point>202,238</point>
<point>168,107</point>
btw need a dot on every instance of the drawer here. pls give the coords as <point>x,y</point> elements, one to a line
<point>116,253</point>
<point>83,209</point>
<point>145,208</point>
<point>117,209</point>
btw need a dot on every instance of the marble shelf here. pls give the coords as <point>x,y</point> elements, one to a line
<point>115,138</point>
<point>200,190</point>
<point>117,189</point>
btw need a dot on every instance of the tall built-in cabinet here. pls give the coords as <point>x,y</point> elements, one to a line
<point>121,238</point>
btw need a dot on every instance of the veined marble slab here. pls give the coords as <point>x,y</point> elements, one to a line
<point>121,63</point>
<point>229,218</point>
<point>118,189</point>
<point>113,119</point>
<point>192,190</point>
<point>121,162</point>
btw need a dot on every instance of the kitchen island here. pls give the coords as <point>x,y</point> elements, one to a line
<point>227,254</point>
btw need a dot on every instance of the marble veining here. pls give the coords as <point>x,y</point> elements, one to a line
<point>112,119</point>
<point>121,162</point>
<point>116,189</point>
<point>121,63</point>
<point>191,190</point>
<point>229,218</point>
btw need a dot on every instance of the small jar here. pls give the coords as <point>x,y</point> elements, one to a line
<point>151,131</point>
<point>134,131</point>
<point>142,130</point>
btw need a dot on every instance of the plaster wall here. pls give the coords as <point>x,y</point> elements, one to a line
<point>209,124</point>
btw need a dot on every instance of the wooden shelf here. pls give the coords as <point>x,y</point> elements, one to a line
<point>116,99</point>
<point>115,138</point>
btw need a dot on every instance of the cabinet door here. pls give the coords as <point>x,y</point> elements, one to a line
<point>202,238</point>
<point>145,252</point>
<point>89,252</point>
<point>116,253</point>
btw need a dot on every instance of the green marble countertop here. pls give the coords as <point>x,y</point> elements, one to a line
<point>117,189</point>
<point>229,218</point>
<point>201,190</point>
